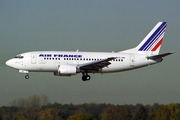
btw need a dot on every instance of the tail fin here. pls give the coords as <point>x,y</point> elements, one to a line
<point>151,44</point>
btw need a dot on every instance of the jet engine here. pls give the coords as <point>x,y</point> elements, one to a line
<point>66,70</point>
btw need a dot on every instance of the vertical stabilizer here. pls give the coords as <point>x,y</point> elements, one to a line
<point>152,42</point>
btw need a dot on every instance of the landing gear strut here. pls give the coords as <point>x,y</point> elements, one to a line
<point>85,77</point>
<point>27,76</point>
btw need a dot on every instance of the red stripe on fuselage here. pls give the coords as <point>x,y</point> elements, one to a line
<point>157,45</point>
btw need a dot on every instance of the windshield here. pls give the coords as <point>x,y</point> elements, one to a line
<point>19,56</point>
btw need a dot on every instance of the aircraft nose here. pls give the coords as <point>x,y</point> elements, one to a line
<point>9,63</point>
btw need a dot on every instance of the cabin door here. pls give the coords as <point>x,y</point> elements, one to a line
<point>33,58</point>
<point>132,60</point>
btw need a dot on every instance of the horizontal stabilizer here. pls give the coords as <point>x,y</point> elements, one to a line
<point>159,56</point>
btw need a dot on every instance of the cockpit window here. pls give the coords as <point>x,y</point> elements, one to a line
<point>19,56</point>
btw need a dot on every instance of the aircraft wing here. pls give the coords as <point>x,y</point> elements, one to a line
<point>96,65</point>
<point>159,56</point>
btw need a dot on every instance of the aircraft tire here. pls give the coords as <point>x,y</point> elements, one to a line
<point>84,78</point>
<point>88,77</point>
<point>27,76</point>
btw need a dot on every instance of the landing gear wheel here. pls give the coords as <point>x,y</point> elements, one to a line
<point>86,77</point>
<point>27,76</point>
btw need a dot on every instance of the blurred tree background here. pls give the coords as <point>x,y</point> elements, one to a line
<point>38,107</point>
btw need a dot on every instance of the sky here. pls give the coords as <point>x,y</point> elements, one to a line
<point>104,26</point>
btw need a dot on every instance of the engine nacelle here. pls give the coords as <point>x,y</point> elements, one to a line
<point>66,70</point>
<point>57,74</point>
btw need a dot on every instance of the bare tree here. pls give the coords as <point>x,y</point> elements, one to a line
<point>44,99</point>
<point>34,101</point>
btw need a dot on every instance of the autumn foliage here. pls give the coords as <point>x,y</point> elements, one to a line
<point>26,109</point>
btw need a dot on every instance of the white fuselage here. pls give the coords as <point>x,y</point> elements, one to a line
<point>66,63</point>
<point>48,61</point>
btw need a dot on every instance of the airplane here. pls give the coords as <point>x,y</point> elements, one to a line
<point>67,63</point>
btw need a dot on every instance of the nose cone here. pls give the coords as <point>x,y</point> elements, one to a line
<point>9,63</point>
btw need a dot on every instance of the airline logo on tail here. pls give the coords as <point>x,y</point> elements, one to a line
<point>154,39</point>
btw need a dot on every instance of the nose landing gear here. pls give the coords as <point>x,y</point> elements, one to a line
<point>85,77</point>
<point>27,76</point>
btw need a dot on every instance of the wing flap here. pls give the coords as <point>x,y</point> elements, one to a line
<point>96,65</point>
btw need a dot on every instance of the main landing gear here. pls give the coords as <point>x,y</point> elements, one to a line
<point>85,77</point>
<point>27,76</point>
